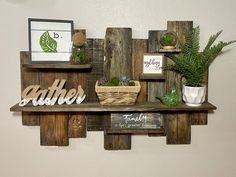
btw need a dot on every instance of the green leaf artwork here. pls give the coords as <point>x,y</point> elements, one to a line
<point>47,43</point>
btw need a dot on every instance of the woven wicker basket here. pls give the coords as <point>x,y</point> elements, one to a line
<point>117,95</point>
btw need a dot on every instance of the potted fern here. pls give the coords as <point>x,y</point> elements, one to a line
<point>192,65</point>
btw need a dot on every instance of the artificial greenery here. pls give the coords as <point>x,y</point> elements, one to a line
<point>170,99</point>
<point>168,39</point>
<point>116,81</point>
<point>79,56</point>
<point>192,64</point>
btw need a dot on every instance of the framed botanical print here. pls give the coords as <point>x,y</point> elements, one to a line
<point>50,40</point>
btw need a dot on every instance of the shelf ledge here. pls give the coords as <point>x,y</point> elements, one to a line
<point>57,66</point>
<point>96,107</point>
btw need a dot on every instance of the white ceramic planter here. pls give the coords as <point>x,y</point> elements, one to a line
<point>194,96</point>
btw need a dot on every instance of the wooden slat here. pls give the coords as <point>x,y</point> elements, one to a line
<point>53,126</point>
<point>77,125</point>
<point>53,129</point>
<point>118,62</point>
<point>28,77</point>
<point>159,131</point>
<point>95,107</point>
<point>95,49</point>
<point>155,87</point>
<point>77,121</point>
<point>178,125</point>
<point>139,47</point>
<point>178,129</point>
<point>115,141</point>
<point>58,66</point>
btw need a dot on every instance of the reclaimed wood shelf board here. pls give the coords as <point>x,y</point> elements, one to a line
<point>96,107</point>
<point>169,50</point>
<point>57,66</point>
<point>152,77</point>
<point>159,131</point>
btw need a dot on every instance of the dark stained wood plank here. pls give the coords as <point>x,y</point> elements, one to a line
<point>58,66</point>
<point>115,141</point>
<point>54,129</point>
<point>159,131</point>
<point>152,77</point>
<point>95,107</point>
<point>77,125</point>
<point>139,47</point>
<point>118,62</point>
<point>77,121</point>
<point>28,77</point>
<point>178,131</point>
<point>155,87</point>
<point>53,126</point>
<point>178,125</point>
<point>95,50</point>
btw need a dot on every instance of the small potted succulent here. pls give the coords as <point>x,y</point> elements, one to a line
<point>192,65</point>
<point>168,40</point>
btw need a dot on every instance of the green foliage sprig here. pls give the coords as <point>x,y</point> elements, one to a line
<point>192,64</point>
<point>79,56</point>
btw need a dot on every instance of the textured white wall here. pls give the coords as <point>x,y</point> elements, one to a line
<point>213,149</point>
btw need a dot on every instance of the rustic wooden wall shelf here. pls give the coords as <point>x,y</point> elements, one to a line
<point>123,57</point>
<point>152,77</point>
<point>57,66</point>
<point>96,107</point>
<point>169,50</point>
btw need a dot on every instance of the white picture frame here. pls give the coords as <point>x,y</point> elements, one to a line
<point>153,63</point>
<point>50,40</point>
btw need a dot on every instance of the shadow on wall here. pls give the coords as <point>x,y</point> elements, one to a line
<point>35,3</point>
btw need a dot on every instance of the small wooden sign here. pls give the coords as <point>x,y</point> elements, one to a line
<point>136,121</point>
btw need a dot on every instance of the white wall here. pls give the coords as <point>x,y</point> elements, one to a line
<point>213,149</point>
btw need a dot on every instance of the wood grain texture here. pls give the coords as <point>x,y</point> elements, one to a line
<point>181,28</point>
<point>178,125</point>
<point>118,62</point>
<point>53,126</point>
<point>159,131</point>
<point>155,88</point>
<point>77,125</point>
<point>115,141</point>
<point>95,50</point>
<point>139,47</point>
<point>97,108</point>
<point>28,77</point>
<point>118,46</point>
<point>178,129</point>
<point>54,129</point>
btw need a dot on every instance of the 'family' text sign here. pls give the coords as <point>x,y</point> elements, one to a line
<point>136,120</point>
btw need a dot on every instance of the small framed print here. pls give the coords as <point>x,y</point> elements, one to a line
<point>152,63</point>
<point>152,67</point>
<point>50,40</point>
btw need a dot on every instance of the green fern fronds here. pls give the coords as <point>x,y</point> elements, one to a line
<point>192,64</point>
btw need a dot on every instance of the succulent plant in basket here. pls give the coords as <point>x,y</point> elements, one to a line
<point>192,65</point>
<point>117,91</point>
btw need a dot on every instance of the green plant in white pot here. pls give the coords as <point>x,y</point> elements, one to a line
<point>192,65</point>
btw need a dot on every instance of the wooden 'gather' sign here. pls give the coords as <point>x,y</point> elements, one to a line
<point>136,120</point>
<point>53,94</point>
